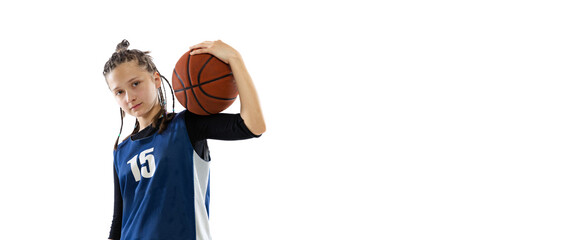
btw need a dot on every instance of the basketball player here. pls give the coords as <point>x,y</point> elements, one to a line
<point>162,169</point>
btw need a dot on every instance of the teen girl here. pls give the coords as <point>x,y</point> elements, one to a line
<point>162,169</point>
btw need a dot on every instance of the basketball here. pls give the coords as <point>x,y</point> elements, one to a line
<point>203,84</point>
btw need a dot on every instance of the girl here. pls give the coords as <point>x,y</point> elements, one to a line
<point>162,169</point>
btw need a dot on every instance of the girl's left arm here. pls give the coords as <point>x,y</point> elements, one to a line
<point>250,108</point>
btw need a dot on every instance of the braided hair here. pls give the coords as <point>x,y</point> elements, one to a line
<point>122,55</point>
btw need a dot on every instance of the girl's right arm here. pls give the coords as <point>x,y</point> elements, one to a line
<point>115,232</point>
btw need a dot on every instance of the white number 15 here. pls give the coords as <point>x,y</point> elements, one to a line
<point>143,158</point>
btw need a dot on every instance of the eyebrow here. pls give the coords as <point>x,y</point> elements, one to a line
<point>130,80</point>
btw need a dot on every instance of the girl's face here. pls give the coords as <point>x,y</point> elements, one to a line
<point>135,90</point>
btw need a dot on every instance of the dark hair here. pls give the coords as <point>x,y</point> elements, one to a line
<point>122,55</point>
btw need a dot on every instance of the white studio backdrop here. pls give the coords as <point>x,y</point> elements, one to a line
<point>386,120</point>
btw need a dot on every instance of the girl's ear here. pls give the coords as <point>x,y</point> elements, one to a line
<point>157,79</point>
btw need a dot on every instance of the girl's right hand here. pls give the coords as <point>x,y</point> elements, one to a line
<point>219,49</point>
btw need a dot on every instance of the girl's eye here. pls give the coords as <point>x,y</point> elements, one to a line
<point>136,83</point>
<point>118,92</point>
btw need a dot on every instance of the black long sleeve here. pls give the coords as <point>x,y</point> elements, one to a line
<point>223,126</point>
<point>115,232</point>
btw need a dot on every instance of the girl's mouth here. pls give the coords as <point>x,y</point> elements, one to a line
<point>136,106</point>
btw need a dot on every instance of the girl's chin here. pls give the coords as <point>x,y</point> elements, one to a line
<point>139,111</point>
<point>133,113</point>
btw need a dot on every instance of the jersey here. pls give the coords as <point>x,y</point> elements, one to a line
<point>165,186</point>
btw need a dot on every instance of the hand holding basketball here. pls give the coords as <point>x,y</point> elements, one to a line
<point>217,48</point>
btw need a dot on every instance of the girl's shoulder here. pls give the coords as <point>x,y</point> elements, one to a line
<point>180,115</point>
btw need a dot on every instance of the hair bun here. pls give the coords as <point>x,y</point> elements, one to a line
<point>123,45</point>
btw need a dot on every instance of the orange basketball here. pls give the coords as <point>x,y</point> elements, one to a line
<point>203,84</point>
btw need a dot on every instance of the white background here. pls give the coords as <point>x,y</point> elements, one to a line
<point>386,119</point>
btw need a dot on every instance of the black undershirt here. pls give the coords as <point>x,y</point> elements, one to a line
<point>199,128</point>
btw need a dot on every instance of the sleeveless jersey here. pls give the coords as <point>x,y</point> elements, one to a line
<point>165,186</point>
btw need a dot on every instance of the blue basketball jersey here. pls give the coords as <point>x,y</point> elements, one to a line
<point>165,186</point>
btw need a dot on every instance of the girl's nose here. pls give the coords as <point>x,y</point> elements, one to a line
<point>129,97</point>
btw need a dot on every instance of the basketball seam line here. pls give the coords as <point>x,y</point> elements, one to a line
<point>200,85</point>
<point>189,78</point>
<point>210,81</point>
<point>182,85</point>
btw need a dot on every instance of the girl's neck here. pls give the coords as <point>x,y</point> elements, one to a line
<point>148,120</point>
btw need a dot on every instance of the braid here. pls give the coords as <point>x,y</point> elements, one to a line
<point>120,130</point>
<point>166,118</point>
<point>172,93</point>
